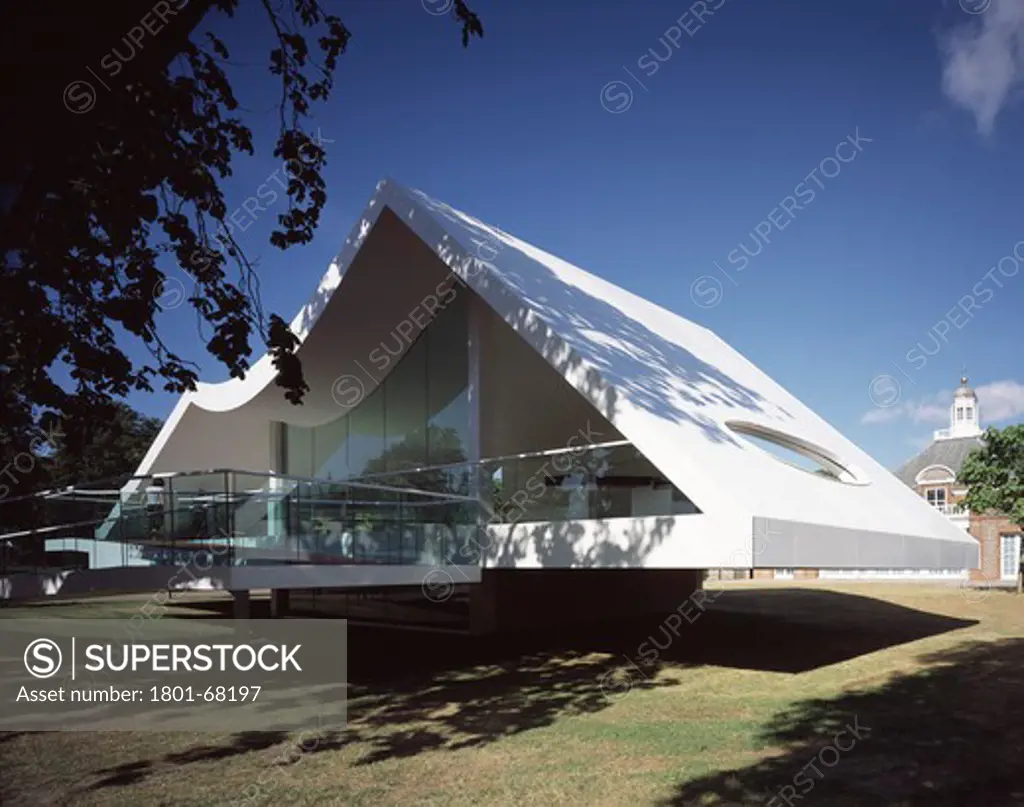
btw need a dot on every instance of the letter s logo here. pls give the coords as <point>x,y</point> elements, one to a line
<point>43,658</point>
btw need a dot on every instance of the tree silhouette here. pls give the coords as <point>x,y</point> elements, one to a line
<point>95,212</point>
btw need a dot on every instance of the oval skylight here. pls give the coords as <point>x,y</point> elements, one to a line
<point>798,453</point>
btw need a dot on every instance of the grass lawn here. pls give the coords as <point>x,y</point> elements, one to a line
<point>747,698</point>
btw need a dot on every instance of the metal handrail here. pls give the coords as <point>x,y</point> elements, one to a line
<point>170,475</point>
<point>57,493</point>
<point>548,452</point>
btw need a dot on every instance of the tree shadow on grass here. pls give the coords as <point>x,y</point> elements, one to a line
<point>474,690</point>
<point>952,734</point>
<point>415,692</point>
<point>484,689</point>
<point>468,709</point>
<point>450,710</point>
<point>241,743</point>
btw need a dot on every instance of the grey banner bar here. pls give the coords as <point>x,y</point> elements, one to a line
<point>173,674</point>
<point>794,544</point>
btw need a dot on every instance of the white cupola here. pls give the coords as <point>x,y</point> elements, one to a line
<point>963,414</point>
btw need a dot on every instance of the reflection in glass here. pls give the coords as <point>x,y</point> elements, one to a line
<point>601,482</point>
<point>298,459</point>
<point>330,449</point>
<point>366,434</point>
<point>448,385</point>
<point>405,412</point>
<point>418,416</point>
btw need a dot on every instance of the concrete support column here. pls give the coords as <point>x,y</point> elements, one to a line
<point>240,606</point>
<point>279,601</point>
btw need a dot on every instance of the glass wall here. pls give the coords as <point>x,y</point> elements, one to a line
<point>365,444</point>
<point>418,417</point>
<point>405,413</point>
<point>448,437</point>
<point>298,451</point>
<point>330,449</point>
<point>413,432</point>
<point>611,481</point>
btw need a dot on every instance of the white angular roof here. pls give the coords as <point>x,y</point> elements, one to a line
<point>673,388</point>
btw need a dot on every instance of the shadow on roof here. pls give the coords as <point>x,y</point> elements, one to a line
<point>568,325</point>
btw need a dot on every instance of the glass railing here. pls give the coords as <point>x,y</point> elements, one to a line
<point>104,524</point>
<point>245,518</point>
<point>417,516</point>
<point>288,519</point>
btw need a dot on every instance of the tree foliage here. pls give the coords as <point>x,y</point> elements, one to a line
<point>105,444</point>
<point>995,474</point>
<point>95,227</point>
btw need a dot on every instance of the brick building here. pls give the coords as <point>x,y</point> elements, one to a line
<point>933,473</point>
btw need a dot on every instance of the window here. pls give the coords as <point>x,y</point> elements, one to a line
<point>936,497</point>
<point>959,413</point>
<point>970,412</point>
<point>1010,557</point>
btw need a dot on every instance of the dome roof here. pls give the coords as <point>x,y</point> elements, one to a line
<point>963,390</point>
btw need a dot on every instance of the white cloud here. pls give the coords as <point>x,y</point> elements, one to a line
<point>983,60</point>
<point>998,401</point>
<point>876,416</point>
<point>873,416</point>
<point>931,409</point>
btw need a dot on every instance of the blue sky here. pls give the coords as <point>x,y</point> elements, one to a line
<point>561,127</point>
